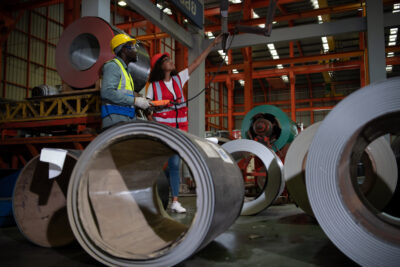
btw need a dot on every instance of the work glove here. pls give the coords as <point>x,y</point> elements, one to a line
<point>142,103</point>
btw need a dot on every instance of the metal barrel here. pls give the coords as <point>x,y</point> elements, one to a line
<point>39,203</point>
<point>84,47</point>
<point>111,204</point>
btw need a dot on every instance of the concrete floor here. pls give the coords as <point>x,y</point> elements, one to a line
<point>279,236</point>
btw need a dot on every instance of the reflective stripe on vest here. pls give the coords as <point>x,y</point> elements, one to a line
<point>125,86</point>
<point>126,82</point>
<point>169,114</point>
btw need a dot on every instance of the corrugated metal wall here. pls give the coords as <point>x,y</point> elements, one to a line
<point>29,54</point>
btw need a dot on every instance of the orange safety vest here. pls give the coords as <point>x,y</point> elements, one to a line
<point>174,115</point>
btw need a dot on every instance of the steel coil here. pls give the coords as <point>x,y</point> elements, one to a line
<point>274,168</point>
<point>283,129</point>
<point>39,203</point>
<point>111,206</point>
<point>377,184</point>
<point>360,231</point>
<point>84,47</point>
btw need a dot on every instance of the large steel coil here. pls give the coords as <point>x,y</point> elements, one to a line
<point>366,235</point>
<point>111,204</point>
<point>84,47</point>
<point>274,184</point>
<point>39,203</point>
<point>269,122</point>
<point>377,181</point>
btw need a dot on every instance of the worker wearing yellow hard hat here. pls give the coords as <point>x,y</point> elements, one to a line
<point>117,87</point>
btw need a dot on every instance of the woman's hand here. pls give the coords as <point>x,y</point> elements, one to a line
<point>218,39</point>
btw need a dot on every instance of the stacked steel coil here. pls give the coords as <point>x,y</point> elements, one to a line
<point>84,47</point>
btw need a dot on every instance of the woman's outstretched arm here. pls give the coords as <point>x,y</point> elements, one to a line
<point>204,54</point>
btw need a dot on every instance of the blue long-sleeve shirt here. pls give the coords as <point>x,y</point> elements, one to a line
<point>109,84</point>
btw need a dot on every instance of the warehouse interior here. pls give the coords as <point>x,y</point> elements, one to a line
<point>292,151</point>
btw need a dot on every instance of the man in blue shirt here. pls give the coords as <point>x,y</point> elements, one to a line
<point>117,86</point>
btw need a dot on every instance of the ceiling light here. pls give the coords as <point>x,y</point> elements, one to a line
<point>285,78</point>
<point>235,71</point>
<point>392,38</point>
<point>275,57</point>
<point>121,3</point>
<point>255,15</point>
<point>392,43</point>
<point>389,68</point>
<point>271,46</point>
<point>279,66</point>
<point>274,22</point>
<point>390,54</point>
<point>393,31</point>
<point>324,39</point>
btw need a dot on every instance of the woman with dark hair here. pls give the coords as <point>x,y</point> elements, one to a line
<point>167,84</point>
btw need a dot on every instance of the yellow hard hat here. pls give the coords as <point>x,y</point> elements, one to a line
<point>119,39</point>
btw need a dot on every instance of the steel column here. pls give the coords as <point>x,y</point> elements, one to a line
<point>376,41</point>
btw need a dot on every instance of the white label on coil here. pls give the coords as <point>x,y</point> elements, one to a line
<point>222,153</point>
<point>56,158</point>
<point>211,153</point>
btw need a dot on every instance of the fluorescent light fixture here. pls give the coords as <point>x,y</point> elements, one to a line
<point>315,4</point>
<point>390,54</point>
<point>235,71</point>
<point>210,35</point>
<point>324,39</point>
<point>275,57</point>
<point>274,22</point>
<point>392,38</point>
<point>241,82</point>
<point>121,3</point>
<point>393,30</point>
<point>159,6</point>
<point>167,11</point>
<point>271,46</point>
<point>389,68</point>
<point>285,78</point>
<point>261,25</point>
<point>235,1</point>
<point>320,21</point>
<point>273,52</point>
<point>396,6</point>
<point>392,43</point>
<point>279,66</point>
<point>255,15</point>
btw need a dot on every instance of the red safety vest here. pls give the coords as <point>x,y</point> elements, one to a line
<point>173,115</point>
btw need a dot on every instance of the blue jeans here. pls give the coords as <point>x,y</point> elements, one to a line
<point>172,172</point>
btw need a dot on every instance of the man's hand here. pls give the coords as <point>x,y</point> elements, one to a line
<point>142,103</point>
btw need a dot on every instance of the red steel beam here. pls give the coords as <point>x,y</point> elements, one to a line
<point>47,139</point>
<point>238,7</point>
<point>349,65</point>
<point>32,124</point>
<point>283,61</point>
<point>285,17</point>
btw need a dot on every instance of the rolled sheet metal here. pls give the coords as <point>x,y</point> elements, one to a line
<point>364,234</point>
<point>379,183</point>
<point>111,204</point>
<point>275,183</point>
<point>84,47</point>
<point>39,203</point>
<point>284,127</point>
